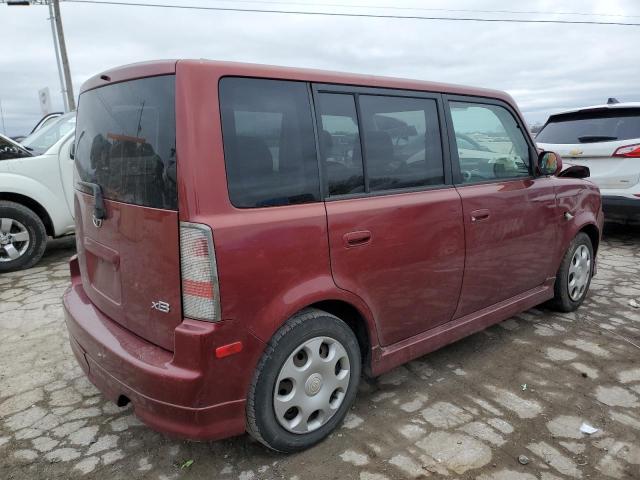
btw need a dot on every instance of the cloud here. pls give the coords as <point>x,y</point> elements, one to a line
<point>545,67</point>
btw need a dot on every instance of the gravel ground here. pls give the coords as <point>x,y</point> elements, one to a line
<point>468,411</point>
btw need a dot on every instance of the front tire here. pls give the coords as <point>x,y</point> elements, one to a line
<point>305,382</point>
<point>23,237</point>
<point>574,275</point>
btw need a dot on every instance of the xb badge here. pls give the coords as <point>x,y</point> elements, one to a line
<point>161,306</point>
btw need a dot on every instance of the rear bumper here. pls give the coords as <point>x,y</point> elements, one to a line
<point>187,393</point>
<point>621,208</point>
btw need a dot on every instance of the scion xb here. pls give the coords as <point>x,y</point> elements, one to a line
<point>251,239</point>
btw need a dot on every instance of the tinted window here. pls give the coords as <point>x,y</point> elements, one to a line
<point>588,127</point>
<point>340,143</point>
<point>269,142</point>
<point>126,141</point>
<point>489,141</point>
<point>401,142</point>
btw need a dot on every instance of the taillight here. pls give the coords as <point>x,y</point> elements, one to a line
<point>200,289</point>
<point>628,151</point>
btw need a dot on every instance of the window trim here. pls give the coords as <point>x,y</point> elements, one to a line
<point>455,160</point>
<point>356,91</point>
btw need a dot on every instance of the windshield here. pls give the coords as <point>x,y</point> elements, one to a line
<point>591,126</point>
<point>44,138</point>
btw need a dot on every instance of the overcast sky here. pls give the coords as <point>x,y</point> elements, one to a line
<point>545,67</point>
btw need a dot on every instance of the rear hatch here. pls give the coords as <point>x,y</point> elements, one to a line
<point>126,152</point>
<point>592,137</point>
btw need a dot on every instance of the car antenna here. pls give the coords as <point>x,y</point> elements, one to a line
<point>612,100</point>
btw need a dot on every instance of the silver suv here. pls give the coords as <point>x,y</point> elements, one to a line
<point>605,138</point>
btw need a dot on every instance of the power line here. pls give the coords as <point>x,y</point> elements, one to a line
<point>433,9</point>
<point>395,7</point>
<point>355,15</point>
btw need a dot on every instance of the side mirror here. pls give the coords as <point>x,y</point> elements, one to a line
<point>575,171</point>
<point>549,163</point>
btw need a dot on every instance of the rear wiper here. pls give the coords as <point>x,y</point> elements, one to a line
<point>99,212</point>
<point>595,138</point>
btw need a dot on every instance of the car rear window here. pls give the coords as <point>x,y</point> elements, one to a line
<point>126,141</point>
<point>592,126</point>
<point>269,142</point>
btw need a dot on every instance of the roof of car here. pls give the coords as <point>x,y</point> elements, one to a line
<point>164,67</point>
<point>600,107</point>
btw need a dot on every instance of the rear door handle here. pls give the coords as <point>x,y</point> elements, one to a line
<point>354,239</point>
<point>479,215</point>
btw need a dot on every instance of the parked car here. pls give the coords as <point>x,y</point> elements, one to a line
<point>36,193</point>
<point>605,138</point>
<point>252,238</point>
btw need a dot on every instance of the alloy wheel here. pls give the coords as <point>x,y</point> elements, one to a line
<point>14,239</point>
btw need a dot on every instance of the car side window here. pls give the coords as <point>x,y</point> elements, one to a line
<point>402,142</point>
<point>269,142</point>
<point>490,144</point>
<point>339,139</point>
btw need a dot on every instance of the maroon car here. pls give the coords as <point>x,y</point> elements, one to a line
<point>251,238</point>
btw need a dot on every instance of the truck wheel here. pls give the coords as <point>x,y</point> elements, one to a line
<point>23,237</point>
<point>574,275</point>
<point>305,382</point>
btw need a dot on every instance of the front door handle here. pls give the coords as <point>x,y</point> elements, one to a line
<point>479,215</point>
<point>355,239</point>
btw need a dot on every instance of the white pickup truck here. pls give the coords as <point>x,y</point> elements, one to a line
<point>36,192</point>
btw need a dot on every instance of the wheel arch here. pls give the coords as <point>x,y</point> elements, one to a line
<point>594,235</point>
<point>344,305</point>
<point>33,205</point>
<point>356,321</point>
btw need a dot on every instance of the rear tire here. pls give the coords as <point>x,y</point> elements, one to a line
<point>305,382</point>
<point>23,238</point>
<point>574,275</point>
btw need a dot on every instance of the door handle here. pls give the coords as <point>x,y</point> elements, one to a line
<point>355,239</point>
<point>479,215</point>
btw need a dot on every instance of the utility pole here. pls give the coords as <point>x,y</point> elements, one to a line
<point>71,102</point>
<point>63,90</point>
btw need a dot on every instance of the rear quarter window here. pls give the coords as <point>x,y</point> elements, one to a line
<point>591,126</point>
<point>269,142</point>
<point>126,141</point>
